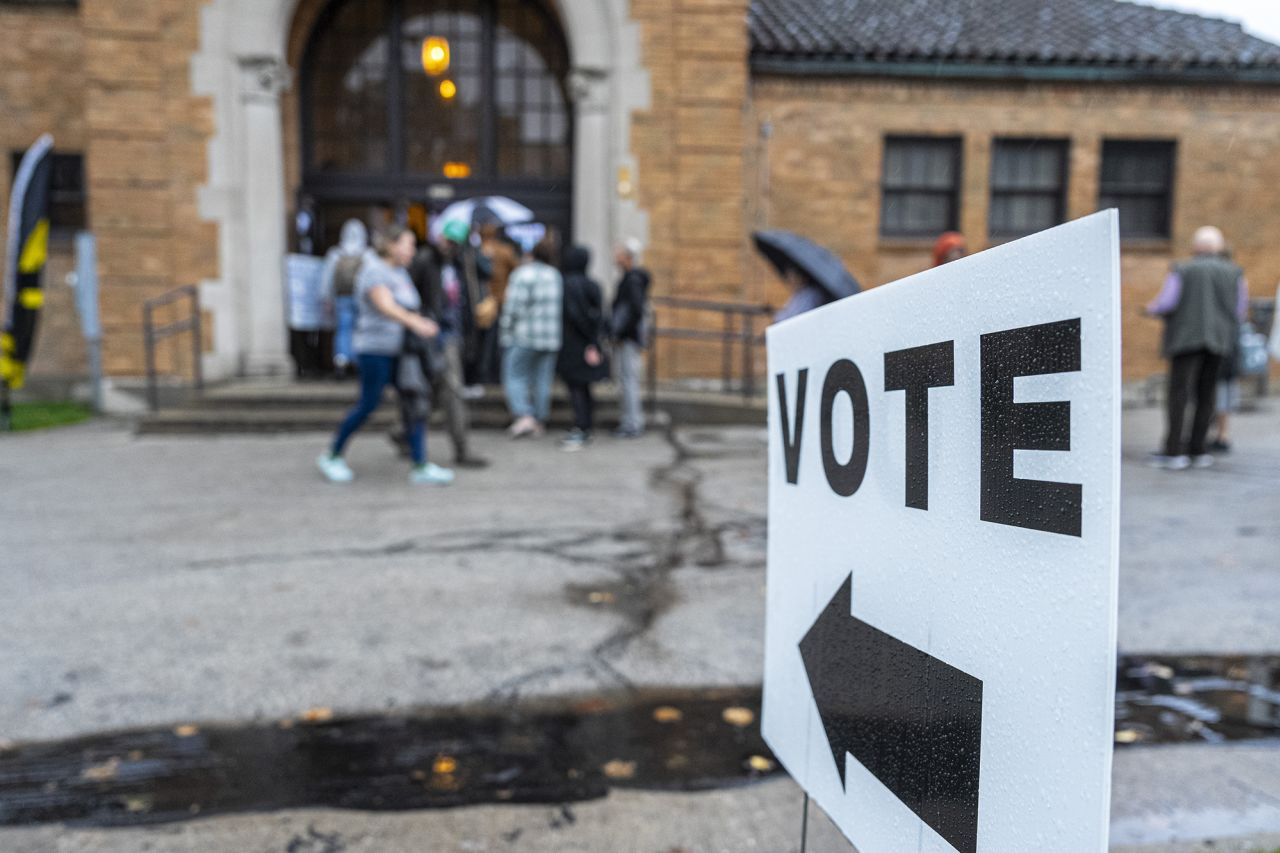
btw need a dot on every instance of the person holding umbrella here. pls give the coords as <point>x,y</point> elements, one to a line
<point>816,276</point>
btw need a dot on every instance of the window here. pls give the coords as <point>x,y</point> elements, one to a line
<point>494,105</point>
<point>66,195</point>
<point>920,192</point>
<point>1137,178</point>
<point>1028,186</point>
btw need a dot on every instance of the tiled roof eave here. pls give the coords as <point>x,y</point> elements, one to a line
<point>791,64</point>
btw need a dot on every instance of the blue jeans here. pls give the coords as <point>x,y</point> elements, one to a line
<point>343,339</point>
<point>376,373</point>
<point>527,375</point>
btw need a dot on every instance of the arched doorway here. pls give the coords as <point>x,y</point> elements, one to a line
<point>420,102</point>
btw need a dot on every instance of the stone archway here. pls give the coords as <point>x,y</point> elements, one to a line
<point>244,67</point>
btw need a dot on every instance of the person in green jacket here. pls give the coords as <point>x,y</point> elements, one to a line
<point>1202,302</point>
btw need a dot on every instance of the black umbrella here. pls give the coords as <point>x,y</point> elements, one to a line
<point>786,251</point>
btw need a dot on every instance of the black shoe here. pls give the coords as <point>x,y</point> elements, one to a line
<point>1220,446</point>
<point>472,462</point>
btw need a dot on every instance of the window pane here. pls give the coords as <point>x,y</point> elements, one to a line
<point>532,109</point>
<point>347,88</point>
<point>916,213</point>
<point>920,164</point>
<point>1137,178</point>
<point>1027,165</point>
<point>1022,213</point>
<point>440,129</point>
<point>1140,216</point>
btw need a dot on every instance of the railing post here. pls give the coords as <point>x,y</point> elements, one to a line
<point>726,353</point>
<point>149,347</point>
<point>748,355</point>
<point>197,339</point>
<point>653,370</point>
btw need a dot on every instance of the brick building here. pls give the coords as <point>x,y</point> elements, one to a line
<point>191,132</point>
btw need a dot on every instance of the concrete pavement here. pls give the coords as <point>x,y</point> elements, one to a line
<point>164,580</point>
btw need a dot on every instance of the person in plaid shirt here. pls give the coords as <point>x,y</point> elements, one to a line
<point>531,337</point>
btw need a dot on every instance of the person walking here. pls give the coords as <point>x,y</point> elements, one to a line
<point>629,328</point>
<point>1202,302</point>
<point>387,308</point>
<point>531,337</point>
<point>341,267</point>
<point>581,362</point>
<point>446,298</point>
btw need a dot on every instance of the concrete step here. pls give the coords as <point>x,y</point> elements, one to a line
<point>262,407</point>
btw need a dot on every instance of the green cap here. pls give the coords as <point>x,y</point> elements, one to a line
<point>456,231</point>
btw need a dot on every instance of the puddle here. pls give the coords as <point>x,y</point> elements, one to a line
<point>1197,699</point>
<point>538,753</point>
<point>549,754</point>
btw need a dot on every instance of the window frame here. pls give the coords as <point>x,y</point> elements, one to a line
<point>61,231</point>
<point>1063,144</point>
<point>1113,196</point>
<point>954,194</point>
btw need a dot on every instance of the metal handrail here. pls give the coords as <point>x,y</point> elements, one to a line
<point>737,329</point>
<point>153,334</point>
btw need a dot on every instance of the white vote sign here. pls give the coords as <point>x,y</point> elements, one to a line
<point>943,521</point>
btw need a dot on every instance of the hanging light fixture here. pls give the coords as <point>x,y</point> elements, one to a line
<point>435,55</point>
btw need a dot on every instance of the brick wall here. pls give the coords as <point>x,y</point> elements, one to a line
<point>822,163</point>
<point>147,159</point>
<point>690,158</point>
<point>42,90</point>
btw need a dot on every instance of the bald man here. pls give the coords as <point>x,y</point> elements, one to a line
<point>1202,302</point>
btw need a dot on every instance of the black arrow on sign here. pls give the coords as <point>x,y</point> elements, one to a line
<point>913,721</point>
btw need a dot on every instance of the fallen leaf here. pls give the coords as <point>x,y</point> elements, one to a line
<point>317,715</point>
<point>760,764</point>
<point>602,598</point>
<point>667,714</point>
<point>136,805</point>
<point>104,772</point>
<point>740,717</point>
<point>677,762</point>
<point>1127,736</point>
<point>444,765</point>
<point>618,769</point>
<point>187,731</point>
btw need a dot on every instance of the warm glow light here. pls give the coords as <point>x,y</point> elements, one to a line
<point>448,89</point>
<point>435,55</point>
<point>457,170</point>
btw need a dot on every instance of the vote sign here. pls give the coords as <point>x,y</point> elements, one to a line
<point>943,538</point>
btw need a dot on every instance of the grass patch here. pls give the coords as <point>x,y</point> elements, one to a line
<point>29,416</point>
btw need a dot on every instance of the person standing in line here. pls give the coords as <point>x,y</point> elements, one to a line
<point>581,361</point>
<point>1202,302</point>
<point>502,258</point>
<point>627,320</point>
<point>447,300</point>
<point>950,246</point>
<point>531,337</point>
<point>387,308</point>
<point>341,267</point>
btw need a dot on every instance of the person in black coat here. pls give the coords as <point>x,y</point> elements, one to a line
<point>581,361</point>
<point>628,323</point>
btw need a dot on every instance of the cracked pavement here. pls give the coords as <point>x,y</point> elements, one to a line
<point>158,581</point>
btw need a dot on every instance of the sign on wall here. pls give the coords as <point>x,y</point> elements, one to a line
<point>943,539</point>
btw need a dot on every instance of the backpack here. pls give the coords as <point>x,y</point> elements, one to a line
<point>344,275</point>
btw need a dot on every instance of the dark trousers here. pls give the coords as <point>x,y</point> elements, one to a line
<point>1191,373</point>
<point>583,406</point>
<point>376,373</point>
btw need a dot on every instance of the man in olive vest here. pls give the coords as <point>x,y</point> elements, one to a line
<point>1202,302</point>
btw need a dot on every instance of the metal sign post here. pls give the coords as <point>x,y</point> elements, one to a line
<point>86,284</point>
<point>943,540</point>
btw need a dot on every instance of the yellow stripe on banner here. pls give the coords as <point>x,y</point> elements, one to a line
<point>36,250</point>
<point>7,346</point>
<point>13,373</point>
<point>31,298</point>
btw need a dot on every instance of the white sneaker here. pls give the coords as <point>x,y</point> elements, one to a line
<point>1204,460</point>
<point>334,468</point>
<point>430,474</point>
<point>1169,463</point>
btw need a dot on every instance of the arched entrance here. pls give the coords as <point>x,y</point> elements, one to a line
<point>419,102</point>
